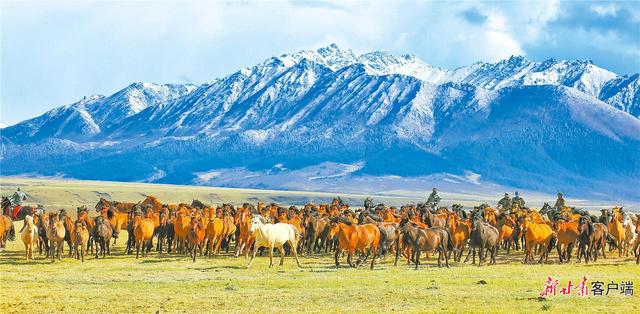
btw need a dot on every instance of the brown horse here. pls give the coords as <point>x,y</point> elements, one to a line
<point>505,225</point>
<point>42,222</point>
<point>313,226</point>
<point>118,221</point>
<point>429,239</point>
<point>537,234</point>
<point>56,234</point>
<point>143,233</point>
<point>80,239</point>
<point>122,207</point>
<point>69,227</point>
<point>460,231</point>
<point>214,233</point>
<point>181,229</point>
<point>592,238</point>
<point>244,239</point>
<point>153,202</point>
<point>439,220</point>
<point>29,236</point>
<point>4,230</point>
<point>568,232</point>
<point>617,231</point>
<point>352,238</point>
<point>102,236</point>
<point>195,236</point>
<point>483,236</point>
<point>89,223</point>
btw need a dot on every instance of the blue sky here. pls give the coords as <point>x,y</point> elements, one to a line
<point>54,53</point>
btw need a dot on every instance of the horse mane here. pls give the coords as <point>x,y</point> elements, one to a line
<point>110,213</point>
<point>343,220</point>
<point>374,217</point>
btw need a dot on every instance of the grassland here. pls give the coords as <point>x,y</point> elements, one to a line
<point>168,283</point>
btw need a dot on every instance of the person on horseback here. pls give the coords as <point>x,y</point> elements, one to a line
<point>559,202</point>
<point>368,204</point>
<point>433,199</point>
<point>16,199</point>
<point>505,203</point>
<point>517,200</point>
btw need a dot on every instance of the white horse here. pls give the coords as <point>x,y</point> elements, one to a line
<point>29,236</point>
<point>273,235</point>
<point>630,234</point>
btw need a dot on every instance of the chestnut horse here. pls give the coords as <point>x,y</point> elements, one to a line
<point>195,236</point>
<point>153,202</point>
<point>537,234</point>
<point>617,231</point>
<point>214,232</point>
<point>80,239</point>
<point>56,234</point>
<point>29,236</point>
<point>429,239</point>
<point>460,231</point>
<point>143,233</point>
<point>364,238</point>
<point>181,229</point>
<point>244,239</point>
<point>568,232</point>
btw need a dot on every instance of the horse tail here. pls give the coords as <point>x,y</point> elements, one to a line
<point>552,242</point>
<point>449,240</point>
<point>296,233</point>
<point>12,232</point>
<point>383,239</point>
<point>612,241</point>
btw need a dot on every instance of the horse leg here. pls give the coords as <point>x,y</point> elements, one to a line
<point>138,248</point>
<point>350,258</point>
<point>253,255</point>
<point>270,255</point>
<point>295,254</point>
<point>194,247</point>
<point>468,254</point>
<point>417,257</point>
<point>446,257</point>
<point>336,256</point>
<point>281,250</point>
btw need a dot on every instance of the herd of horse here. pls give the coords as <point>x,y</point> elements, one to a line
<point>374,232</point>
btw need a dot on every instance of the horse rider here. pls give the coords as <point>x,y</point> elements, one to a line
<point>505,202</point>
<point>368,204</point>
<point>16,199</point>
<point>559,202</point>
<point>433,199</point>
<point>517,200</point>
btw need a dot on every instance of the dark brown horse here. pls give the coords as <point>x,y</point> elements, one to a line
<point>314,226</point>
<point>483,236</point>
<point>419,239</point>
<point>69,227</point>
<point>102,233</point>
<point>591,239</point>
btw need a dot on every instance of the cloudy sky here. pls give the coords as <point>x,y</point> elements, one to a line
<point>55,53</point>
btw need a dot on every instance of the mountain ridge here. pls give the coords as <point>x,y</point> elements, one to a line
<point>390,115</point>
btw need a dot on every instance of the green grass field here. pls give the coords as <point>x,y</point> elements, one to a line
<point>169,283</point>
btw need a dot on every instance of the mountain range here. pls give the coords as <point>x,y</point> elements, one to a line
<point>331,115</point>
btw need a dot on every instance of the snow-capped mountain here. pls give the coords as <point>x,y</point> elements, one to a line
<point>546,126</point>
